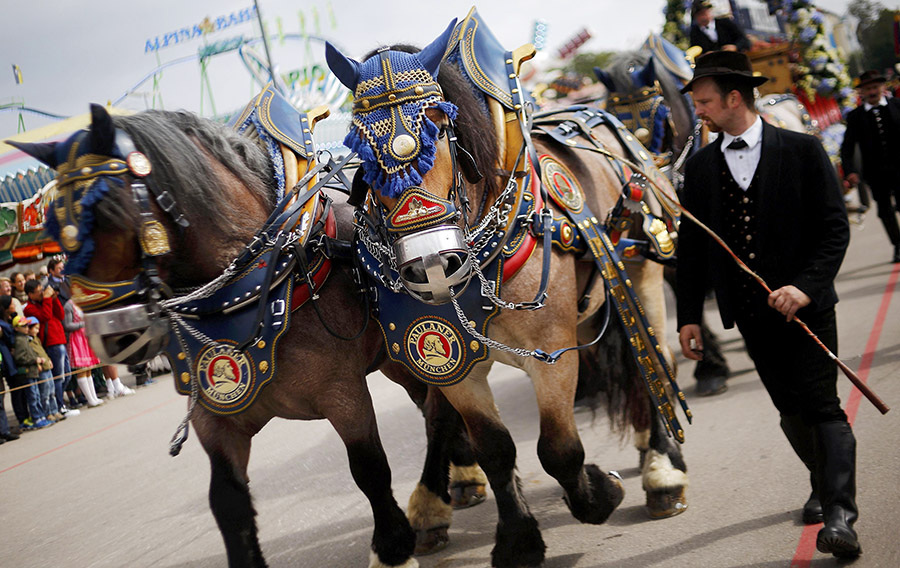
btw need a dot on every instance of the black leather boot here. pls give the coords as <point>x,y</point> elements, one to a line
<point>801,438</point>
<point>896,258</point>
<point>836,461</point>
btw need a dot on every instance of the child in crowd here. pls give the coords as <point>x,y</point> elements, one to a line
<point>26,360</point>
<point>80,353</point>
<point>45,373</point>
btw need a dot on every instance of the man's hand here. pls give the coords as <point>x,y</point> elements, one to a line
<point>787,300</point>
<point>48,291</point>
<point>729,47</point>
<point>852,179</point>
<point>687,335</point>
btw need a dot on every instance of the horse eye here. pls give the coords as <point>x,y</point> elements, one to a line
<point>443,132</point>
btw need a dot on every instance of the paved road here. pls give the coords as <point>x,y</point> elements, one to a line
<point>100,490</point>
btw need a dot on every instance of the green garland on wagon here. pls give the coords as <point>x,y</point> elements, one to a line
<point>820,71</point>
<point>674,29</point>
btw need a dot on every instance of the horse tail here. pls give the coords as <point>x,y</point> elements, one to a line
<point>608,372</point>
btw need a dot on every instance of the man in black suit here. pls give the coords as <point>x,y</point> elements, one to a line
<point>713,34</point>
<point>774,198</point>
<point>875,126</point>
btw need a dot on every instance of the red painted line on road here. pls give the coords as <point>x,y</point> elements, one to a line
<point>86,436</point>
<point>806,548</point>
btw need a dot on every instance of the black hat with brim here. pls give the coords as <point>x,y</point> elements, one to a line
<point>731,64</point>
<point>700,5</point>
<point>869,77</point>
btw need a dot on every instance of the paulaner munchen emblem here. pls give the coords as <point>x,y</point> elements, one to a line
<point>434,347</point>
<point>225,374</point>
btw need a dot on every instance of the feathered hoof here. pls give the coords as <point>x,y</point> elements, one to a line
<point>665,503</point>
<point>597,500</point>
<point>429,541</point>
<point>374,562</point>
<point>465,495</point>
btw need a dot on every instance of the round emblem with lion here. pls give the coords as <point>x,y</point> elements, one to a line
<point>224,374</point>
<point>434,347</point>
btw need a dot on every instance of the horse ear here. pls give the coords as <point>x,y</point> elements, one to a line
<point>43,151</point>
<point>606,79</point>
<point>431,56</point>
<point>103,133</point>
<point>344,68</point>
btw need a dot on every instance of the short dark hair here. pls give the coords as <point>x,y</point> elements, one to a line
<point>52,264</point>
<point>31,286</point>
<point>726,84</point>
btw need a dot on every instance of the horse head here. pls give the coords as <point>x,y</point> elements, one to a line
<point>121,214</point>
<point>644,94</point>
<point>403,131</point>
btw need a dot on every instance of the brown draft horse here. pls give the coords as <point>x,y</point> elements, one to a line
<point>591,494</point>
<point>223,184</point>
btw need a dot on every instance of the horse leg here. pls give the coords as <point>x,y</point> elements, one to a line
<point>663,473</point>
<point>591,494</point>
<point>228,448</point>
<point>518,540</point>
<point>393,540</point>
<point>429,508</point>
<point>467,480</point>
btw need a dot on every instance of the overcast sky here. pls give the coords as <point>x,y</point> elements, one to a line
<point>73,52</point>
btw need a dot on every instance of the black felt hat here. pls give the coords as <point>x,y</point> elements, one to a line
<point>724,64</point>
<point>700,5</point>
<point>869,77</point>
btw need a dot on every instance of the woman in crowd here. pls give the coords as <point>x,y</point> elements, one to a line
<point>80,353</point>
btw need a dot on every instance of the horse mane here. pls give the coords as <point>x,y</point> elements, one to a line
<point>473,129</point>
<point>180,146</point>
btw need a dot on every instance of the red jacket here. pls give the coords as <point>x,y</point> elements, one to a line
<point>50,313</point>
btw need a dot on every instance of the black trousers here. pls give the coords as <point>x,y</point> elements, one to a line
<point>886,193</point>
<point>800,377</point>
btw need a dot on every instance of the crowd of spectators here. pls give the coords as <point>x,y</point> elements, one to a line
<point>46,361</point>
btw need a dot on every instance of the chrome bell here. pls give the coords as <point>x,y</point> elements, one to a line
<point>128,335</point>
<point>432,261</point>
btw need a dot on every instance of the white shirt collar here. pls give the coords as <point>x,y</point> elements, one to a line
<point>752,136</point>
<point>881,102</point>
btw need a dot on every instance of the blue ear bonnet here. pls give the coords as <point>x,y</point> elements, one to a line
<point>80,186</point>
<point>394,138</point>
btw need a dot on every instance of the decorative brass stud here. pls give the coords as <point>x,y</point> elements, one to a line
<point>392,97</point>
<point>420,91</point>
<point>138,164</point>
<point>185,378</point>
<point>69,237</point>
<point>395,347</point>
<point>264,366</point>
<point>403,145</point>
<point>181,356</point>
<point>85,171</point>
<point>474,345</point>
<point>471,323</point>
<point>392,327</point>
<point>366,104</point>
<point>261,344</point>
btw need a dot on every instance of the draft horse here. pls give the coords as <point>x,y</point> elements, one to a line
<point>154,207</point>
<point>439,194</point>
<point>644,93</point>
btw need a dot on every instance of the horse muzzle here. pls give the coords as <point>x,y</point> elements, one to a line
<point>431,262</point>
<point>128,335</point>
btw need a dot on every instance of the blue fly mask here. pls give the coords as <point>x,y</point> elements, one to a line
<point>394,138</point>
<point>397,144</point>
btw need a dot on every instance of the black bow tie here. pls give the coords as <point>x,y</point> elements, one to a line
<point>737,144</point>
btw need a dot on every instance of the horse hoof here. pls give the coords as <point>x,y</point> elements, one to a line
<point>429,541</point>
<point>666,503</point>
<point>465,495</point>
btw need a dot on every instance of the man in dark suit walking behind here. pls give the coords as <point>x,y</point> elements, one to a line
<point>875,126</point>
<point>772,195</point>
<point>713,34</point>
